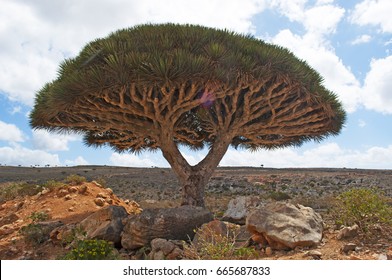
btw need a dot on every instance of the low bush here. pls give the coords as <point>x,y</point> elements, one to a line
<point>75,179</point>
<point>92,249</point>
<point>18,189</point>
<point>213,246</point>
<point>278,195</point>
<point>53,184</point>
<point>365,207</point>
<point>34,233</point>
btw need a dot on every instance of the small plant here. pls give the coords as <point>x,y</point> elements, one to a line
<point>18,189</point>
<point>278,195</point>
<point>363,206</point>
<point>213,246</point>
<point>35,233</point>
<point>53,184</point>
<point>92,249</point>
<point>75,179</point>
<point>39,216</point>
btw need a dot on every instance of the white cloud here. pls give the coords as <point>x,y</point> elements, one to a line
<point>325,155</point>
<point>37,35</point>
<point>131,160</point>
<point>15,110</point>
<point>18,155</point>
<point>337,76</point>
<point>11,133</point>
<point>374,12</point>
<point>361,123</point>
<point>321,18</point>
<point>361,39</point>
<point>378,84</point>
<point>78,161</point>
<point>49,141</point>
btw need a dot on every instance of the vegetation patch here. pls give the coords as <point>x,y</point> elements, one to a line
<point>34,233</point>
<point>92,249</point>
<point>365,207</point>
<point>75,179</point>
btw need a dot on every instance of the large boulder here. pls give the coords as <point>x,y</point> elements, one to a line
<point>106,224</point>
<point>285,226</point>
<point>167,223</point>
<point>239,207</point>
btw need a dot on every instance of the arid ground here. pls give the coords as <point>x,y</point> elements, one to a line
<point>158,187</point>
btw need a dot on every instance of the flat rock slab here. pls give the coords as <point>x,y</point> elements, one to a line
<point>286,226</point>
<point>239,207</point>
<point>105,224</point>
<point>167,223</point>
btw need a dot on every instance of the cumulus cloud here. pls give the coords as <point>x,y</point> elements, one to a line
<point>131,160</point>
<point>11,133</point>
<point>337,76</point>
<point>78,161</point>
<point>18,155</point>
<point>325,155</point>
<point>374,12</point>
<point>378,84</point>
<point>49,141</point>
<point>361,39</point>
<point>37,35</point>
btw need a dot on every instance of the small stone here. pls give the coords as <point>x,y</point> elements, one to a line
<point>45,191</point>
<point>158,255</point>
<point>62,193</point>
<point>6,229</point>
<point>109,191</point>
<point>109,200</point>
<point>353,257</point>
<point>160,244</point>
<point>382,257</point>
<point>68,197</point>
<point>176,254</point>
<point>348,232</point>
<point>8,219</point>
<point>83,189</point>
<point>314,254</point>
<point>99,201</point>
<point>349,247</point>
<point>126,201</point>
<point>73,189</point>
<point>268,251</point>
<point>102,195</point>
<point>97,184</point>
<point>71,209</point>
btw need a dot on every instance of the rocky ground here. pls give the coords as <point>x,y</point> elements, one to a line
<point>157,188</point>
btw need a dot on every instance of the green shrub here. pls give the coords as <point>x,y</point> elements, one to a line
<point>34,233</point>
<point>213,246</point>
<point>18,189</point>
<point>92,249</point>
<point>75,179</point>
<point>53,184</point>
<point>278,195</point>
<point>364,207</point>
<point>39,216</point>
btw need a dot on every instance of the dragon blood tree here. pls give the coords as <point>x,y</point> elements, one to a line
<point>165,86</point>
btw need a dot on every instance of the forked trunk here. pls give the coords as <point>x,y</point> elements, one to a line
<point>193,179</point>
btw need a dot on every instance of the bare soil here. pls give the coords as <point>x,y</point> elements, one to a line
<point>158,187</point>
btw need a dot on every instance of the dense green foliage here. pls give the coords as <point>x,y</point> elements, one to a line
<point>92,249</point>
<point>364,207</point>
<point>169,57</point>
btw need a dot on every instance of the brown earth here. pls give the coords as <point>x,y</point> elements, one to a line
<point>157,187</point>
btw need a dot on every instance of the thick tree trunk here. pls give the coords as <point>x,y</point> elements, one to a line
<point>193,179</point>
<point>193,190</point>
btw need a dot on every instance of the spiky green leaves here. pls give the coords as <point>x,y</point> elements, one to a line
<point>128,88</point>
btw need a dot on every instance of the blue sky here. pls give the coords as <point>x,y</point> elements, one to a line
<point>349,42</point>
